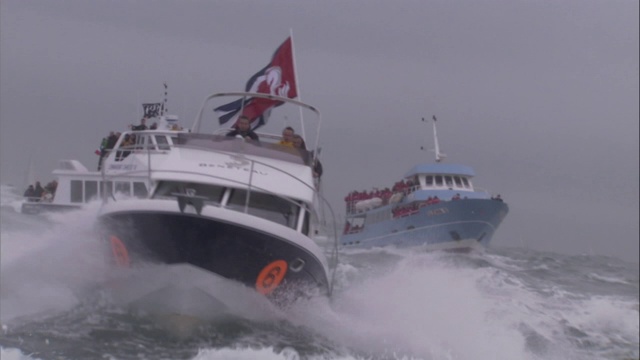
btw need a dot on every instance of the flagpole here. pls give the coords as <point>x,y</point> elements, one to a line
<point>138,102</point>
<point>295,74</point>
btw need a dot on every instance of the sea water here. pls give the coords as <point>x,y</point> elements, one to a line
<point>504,303</point>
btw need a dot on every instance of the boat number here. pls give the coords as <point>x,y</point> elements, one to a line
<point>128,167</point>
<point>271,276</point>
<point>120,252</point>
<point>230,165</point>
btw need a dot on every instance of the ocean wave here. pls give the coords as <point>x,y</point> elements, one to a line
<point>607,279</point>
<point>387,304</point>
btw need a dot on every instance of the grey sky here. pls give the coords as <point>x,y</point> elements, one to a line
<point>540,97</point>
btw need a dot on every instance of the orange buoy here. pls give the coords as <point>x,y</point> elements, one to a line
<point>271,276</point>
<point>120,252</point>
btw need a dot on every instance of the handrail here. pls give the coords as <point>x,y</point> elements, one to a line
<point>198,120</point>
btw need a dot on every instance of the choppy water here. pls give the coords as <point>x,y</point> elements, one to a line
<point>506,303</point>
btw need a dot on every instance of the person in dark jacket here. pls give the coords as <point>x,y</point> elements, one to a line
<point>107,145</point>
<point>142,126</point>
<point>30,192</point>
<point>298,143</point>
<point>243,128</point>
<point>112,140</point>
<point>38,190</point>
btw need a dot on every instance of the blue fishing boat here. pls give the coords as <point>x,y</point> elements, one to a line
<point>434,205</point>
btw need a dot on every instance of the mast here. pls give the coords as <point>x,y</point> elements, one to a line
<point>436,150</point>
<point>30,173</point>
<point>164,103</point>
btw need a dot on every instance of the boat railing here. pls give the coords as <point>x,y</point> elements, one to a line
<point>247,95</point>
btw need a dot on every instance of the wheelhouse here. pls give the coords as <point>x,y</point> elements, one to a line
<point>442,177</point>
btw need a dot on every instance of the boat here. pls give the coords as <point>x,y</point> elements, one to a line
<point>74,185</point>
<point>230,210</point>
<point>434,205</point>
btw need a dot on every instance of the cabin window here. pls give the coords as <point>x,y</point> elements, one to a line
<point>163,143</point>
<point>266,206</point>
<point>76,191</point>
<point>125,148</point>
<point>123,188</point>
<point>449,181</point>
<point>140,141</point>
<point>166,189</point>
<point>140,190</point>
<point>466,182</point>
<point>458,181</point>
<point>429,180</point>
<point>438,180</point>
<point>414,181</point>
<point>90,190</point>
<point>305,223</point>
<point>106,189</point>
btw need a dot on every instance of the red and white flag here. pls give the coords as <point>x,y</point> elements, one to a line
<point>277,78</point>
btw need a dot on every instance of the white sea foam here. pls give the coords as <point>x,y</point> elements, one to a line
<point>269,353</point>
<point>609,279</point>
<point>43,268</point>
<point>14,354</point>
<point>419,309</point>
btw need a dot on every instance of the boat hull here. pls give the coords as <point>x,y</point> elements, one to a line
<point>34,208</point>
<point>273,265</point>
<point>459,224</point>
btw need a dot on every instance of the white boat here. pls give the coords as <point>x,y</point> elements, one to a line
<point>75,185</point>
<point>230,209</point>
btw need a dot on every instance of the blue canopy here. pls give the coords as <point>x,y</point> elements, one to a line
<point>446,169</point>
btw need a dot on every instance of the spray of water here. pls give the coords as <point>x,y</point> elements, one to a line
<point>47,267</point>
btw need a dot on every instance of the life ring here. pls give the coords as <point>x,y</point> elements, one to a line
<point>271,276</point>
<point>120,253</point>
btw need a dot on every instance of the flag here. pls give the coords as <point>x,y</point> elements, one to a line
<point>277,78</point>
<point>152,110</point>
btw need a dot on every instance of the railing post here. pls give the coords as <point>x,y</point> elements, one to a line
<point>103,192</point>
<point>148,164</point>
<point>246,203</point>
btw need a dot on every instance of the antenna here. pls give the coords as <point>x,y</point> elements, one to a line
<point>164,104</point>
<point>436,150</point>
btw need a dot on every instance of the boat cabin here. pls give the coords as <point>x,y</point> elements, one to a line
<point>446,181</point>
<point>77,185</point>
<point>442,177</point>
<point>74,185</point>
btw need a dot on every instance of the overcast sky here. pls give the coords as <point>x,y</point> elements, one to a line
<point>539,97</point>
